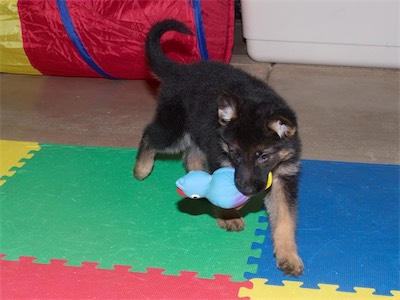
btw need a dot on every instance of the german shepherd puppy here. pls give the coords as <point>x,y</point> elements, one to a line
<point>220,116</point>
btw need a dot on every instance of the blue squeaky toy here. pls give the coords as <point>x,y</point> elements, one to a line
<point>219,188</point>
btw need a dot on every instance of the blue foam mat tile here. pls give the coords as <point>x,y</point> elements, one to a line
<point>348,228</point>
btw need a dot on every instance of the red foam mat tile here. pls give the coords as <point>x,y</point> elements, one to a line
<point>24,279</point>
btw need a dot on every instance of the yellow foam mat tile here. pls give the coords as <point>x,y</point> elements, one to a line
<point>13,58</point>
<point>11,153</point>
<point>293,290</point>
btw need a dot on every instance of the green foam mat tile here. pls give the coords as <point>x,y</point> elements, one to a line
<point>82,204</point>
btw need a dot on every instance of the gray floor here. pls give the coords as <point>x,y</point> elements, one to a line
<point>345,114</point>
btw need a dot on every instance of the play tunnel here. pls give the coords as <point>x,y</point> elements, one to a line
<point>105,38</point>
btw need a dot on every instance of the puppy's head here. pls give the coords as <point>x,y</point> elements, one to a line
<point>258,136</point>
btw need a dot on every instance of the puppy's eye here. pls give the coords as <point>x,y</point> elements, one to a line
<point>263,157</point>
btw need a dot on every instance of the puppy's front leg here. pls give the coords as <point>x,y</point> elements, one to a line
<point>281,204</point>
<point>144,159</point>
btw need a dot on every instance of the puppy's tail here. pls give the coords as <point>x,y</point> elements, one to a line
<point>159,63</point>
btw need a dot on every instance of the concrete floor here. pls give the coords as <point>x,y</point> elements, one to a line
<point>345,114</point>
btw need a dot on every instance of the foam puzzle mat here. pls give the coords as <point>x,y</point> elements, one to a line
<point>75,224</point>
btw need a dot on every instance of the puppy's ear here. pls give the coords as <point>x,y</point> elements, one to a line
<point>282,126</point>
<point>227,108</point>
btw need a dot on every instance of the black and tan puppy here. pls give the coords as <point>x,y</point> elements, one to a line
<point>220,116</point>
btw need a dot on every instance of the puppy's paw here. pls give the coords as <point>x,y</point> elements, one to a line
<point>142,170</point>
<point>290,263</point>
<point>236,224</point>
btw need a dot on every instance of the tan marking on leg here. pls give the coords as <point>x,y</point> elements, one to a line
<point>283,226</point>
<point>144,160</point>
<point>192,165</point>
<point>229,219</point>
<point>194,159</point>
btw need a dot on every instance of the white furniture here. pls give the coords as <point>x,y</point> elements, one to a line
<point>332,32</point>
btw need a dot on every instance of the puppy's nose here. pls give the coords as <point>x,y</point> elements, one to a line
<point>249,190</point>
